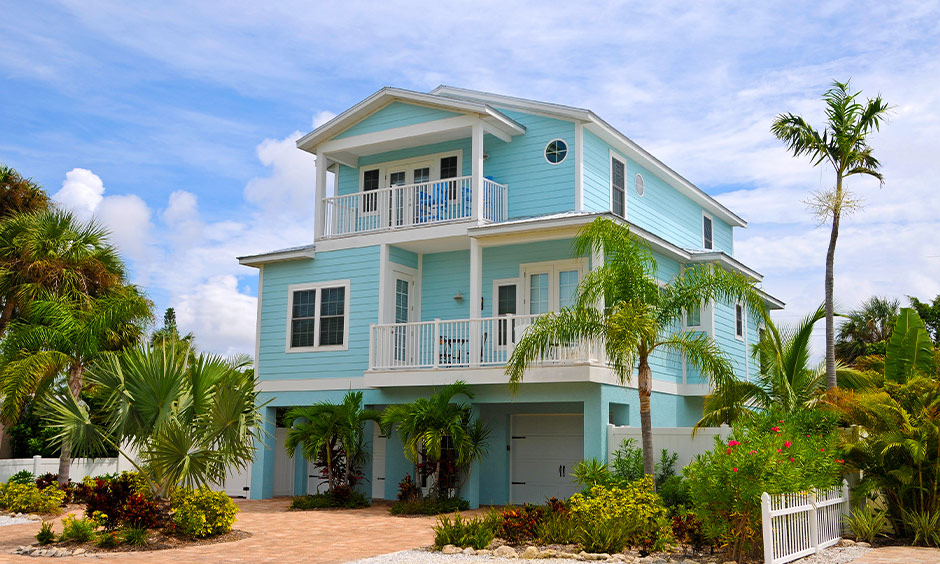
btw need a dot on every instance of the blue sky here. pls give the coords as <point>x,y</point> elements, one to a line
<point>173,122</point>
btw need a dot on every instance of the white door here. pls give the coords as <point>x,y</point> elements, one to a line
<point>402,304</point>
<point>283,465</point>
<point>378,462</point>
<point>543,453</point>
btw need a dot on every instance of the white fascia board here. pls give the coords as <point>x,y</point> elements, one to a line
<point>388,95</point>
<point>732,263</point>
<point>300,253</point>
<point>530,106</point>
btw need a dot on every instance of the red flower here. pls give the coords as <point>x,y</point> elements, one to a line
<point>822,450</point>
<point>733,443</point>
<point>728,451</point>
<point>787,444</point>
<point>840,461</point>
<point>775,429</point>
<point>779,450</point>
<point>792,459</point>
<point>752,452</point>
<point>734,469</point>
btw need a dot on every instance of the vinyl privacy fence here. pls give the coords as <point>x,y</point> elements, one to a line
<point>81,467</point>
<point>798,524</point>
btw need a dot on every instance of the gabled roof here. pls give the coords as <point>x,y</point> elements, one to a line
<point>387,95</point>
<point>604,130</point>
<point>280,255</point>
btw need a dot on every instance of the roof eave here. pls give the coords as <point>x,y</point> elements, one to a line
<point>256,261</point>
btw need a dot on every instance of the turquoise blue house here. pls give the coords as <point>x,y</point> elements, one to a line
<point>444,226</point>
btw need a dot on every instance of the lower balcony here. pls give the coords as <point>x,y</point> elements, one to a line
<point>464,343</point>
<point>411,205</point>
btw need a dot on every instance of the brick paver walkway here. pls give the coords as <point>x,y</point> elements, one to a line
<point>900,555</point>
<point>308,537</point>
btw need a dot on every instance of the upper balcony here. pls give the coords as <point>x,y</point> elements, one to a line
<point>413,205</point>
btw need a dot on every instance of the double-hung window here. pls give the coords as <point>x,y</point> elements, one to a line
<point>618,186</point>
<point>319,316</point>
<point>693,317</point>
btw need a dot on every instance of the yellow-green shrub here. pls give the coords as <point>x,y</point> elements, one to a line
<point>634,505</point>
<point>27,498</point>
<point>203,512</point>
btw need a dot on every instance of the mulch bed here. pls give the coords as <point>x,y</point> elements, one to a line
<point>156,540</point>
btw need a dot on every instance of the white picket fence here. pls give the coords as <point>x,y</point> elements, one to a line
<point>81,467</point>
<point>798,524</point>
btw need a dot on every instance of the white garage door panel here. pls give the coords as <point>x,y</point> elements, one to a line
<point>544,452</point>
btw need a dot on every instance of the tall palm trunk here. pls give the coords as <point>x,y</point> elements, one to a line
<point>6,315</point>
<point>830,315</point>
<point>645,389</point>
<point>437,480</point>
<point>329,466</point>
<point>65,454</point>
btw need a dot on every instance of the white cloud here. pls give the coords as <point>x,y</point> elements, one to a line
<point>322,117</point>
<point>82,191</point>
<point>289,190</point>
<point>220,315</point>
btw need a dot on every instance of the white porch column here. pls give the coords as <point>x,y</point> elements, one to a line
<point>476,294</point>
<point>579,166</point>
<point>383,274</point>
<point>476,153</point>
<point>320,220</point>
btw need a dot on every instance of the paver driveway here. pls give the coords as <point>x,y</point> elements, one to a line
<point>312,537</point>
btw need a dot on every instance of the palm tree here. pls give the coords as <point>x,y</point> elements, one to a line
<point>324,426</point>
<point>641,316</point>
<point>19,194</point>
<point>189,419</point>
<point>871,323</point>
<point>62,335</point>
<point>170,333</point>
<point>844,145</point>
<point>50,251</point>
<point>787,380</point>
<point>439,427</point>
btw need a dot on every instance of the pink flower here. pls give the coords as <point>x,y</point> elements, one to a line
<point>781,420</point>
<point>787,444</point>
<point>822,450</point>
<point>733,443</point>
<point>840,461</point>
<point>728,451</point>
<point>775,429</point>
<point>753,452</point>
<point>734,469</point>
<point>779,450</point>
<point>792,459</point>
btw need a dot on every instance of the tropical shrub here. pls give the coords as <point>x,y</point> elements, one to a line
<point>558,528</point>
<point>634,506</point>
<point>124,499</point>
<point>628,461</point>
<point>407,489</point>
<point>520,524</point>
<point>45,535</point>
<point>687,529</point>
<point>429,506</point>
<point>603,533</point>
<point>348,499</point>
<point>22,477</point>
<point>924,525</point>
<point>134,536</point>
<point>203,513</point>
<point>593,472</point>
<point>476,533</point>
<point>78,530</point>
<point>106,539</point>
<point>27,498</point>
<point>793,453</point>
<point>867,522</point>
<point>675,493</point>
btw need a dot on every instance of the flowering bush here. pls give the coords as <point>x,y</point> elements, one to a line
<point>27,498</point>
<point>521,524</point>
<point>202,513</point>
<point>635,506</point>
<point>125,499</point>
<point>770,454</point>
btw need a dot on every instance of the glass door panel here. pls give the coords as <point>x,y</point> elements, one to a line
<point>539,301</point>
<point>567,288</point>
<point>402,309</point>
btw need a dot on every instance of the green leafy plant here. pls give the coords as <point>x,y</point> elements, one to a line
<point>107,539</point>
<point>675,492</point>
<point>687,529</point>
<point>203,513</point>
<point>925,525</point>
<point>324,500</point>
<point>590,473</point>
<point>429,506</point>
<point>78,530</point>
<point>604,534</point>
<point>634,505</point>
<point>867,522</point>
<point>558,528</point>
<point>22,477</point>
<point>520,524</point>
<point>476,533</point>
<point>628,461</point>
<point>27,498</point>
<point>45,535</point>
<point>134,536</point>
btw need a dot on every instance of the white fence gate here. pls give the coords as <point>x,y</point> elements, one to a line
<point>798,524</point>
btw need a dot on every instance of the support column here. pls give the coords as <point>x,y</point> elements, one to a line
<point>476,153</point>
<point>579,166</point>
<point>300,465</point>
<point>262,470</point>
<point>471,487</point>
<point>320,221</point>
<point>476,295</point>
<point>383,270</point>
<point>596,418</point>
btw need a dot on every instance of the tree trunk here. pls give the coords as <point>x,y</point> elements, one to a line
<point>830,314</point>
<point>6,447</point>
<point>6,315</point>
<point>76,372</point>
<point>645,389</point>
<point>437,480</point>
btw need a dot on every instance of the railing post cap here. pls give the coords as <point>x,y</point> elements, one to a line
<point>765,496</point>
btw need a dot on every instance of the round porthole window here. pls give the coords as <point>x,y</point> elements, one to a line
<point>638,182</point>
<point>556,151</point>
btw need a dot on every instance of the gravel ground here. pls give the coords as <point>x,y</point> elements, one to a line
<point>834,555</point>
<point>8,520</point>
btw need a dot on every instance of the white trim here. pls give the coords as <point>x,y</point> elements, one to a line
<point>476,281</point>
<point>396,134</point>
<point>290,307</point>
<point>702,228</point>
<point>610,169</point>
<point>578,166</point>
<point>497,283</point>
<point>545,151</point>
<point>311,384</point>
<point>257,362</point>
<point>305,252</point>
<point>320,189</point>
<point>734,314</point>
<point>383,269</point>
<point>553,268</point>
<point>434,159</point>
<point>395,271</point>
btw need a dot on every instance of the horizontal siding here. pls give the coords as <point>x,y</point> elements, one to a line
<point>403,257</point>
<point>361,267</point>
<point>396,114</point>
<point>504,262</point>
<point>596,173</point>
<point>348,181</point>
<point>443,275</point>
<point>535,186</point>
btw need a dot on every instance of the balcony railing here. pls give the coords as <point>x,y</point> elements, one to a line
<point>424,203</point>
<point>463,343</point>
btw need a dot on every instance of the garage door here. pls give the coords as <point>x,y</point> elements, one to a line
<point>544,452</point>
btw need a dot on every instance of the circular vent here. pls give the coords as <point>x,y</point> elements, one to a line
<point>640,188</point>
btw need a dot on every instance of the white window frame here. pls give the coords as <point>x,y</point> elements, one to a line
<point>433,159</point>
<point>738,305</point>
<point>552,268</point>
<point>290,310</point>
<point>610,170</point>
<point>545,151</point>
<point>712,220</point>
